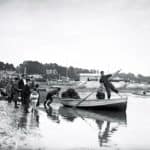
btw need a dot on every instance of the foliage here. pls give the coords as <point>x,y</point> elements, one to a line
<point>57,71</point>
<point>6,66</point>
<point>32,67</point>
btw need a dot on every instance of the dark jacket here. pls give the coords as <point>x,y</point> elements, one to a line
<point>105,79</point>
<point>21,84</point>
<point>26,91</point>
<point>51,93</point>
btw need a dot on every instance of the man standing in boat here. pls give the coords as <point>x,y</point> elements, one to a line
<point>106,81</point>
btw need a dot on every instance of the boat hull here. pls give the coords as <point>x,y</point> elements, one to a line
<point>111,104</point>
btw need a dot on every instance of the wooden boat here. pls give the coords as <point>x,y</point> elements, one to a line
<point>111,116</point>
<point>110,104</point>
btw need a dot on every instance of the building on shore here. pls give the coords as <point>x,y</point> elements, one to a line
<point>36,76</point>
<point>89,76</point>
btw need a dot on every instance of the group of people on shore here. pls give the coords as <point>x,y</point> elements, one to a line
<point>20,89</point>
<point>27,92</point>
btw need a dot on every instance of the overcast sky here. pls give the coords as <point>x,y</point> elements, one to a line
<point>93,34</point>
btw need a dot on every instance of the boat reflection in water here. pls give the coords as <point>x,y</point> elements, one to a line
<point>105,120</point>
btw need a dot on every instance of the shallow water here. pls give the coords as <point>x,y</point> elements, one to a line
<point>65,128</point>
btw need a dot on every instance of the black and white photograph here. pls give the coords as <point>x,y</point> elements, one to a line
<point>74,74</point>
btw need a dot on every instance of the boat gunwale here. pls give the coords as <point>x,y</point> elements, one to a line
<point>96,100</point>
<point>94,103</point>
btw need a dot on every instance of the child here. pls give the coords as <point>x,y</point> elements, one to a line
<point>34,96</point>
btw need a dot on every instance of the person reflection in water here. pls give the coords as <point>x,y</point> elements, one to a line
<point>34,120</point>
<point>23,121</point>
<point>103,136</point>
<point>28,121</point>
<point>53,114</point>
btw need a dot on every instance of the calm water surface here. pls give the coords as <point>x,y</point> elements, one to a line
<point>65,128</point>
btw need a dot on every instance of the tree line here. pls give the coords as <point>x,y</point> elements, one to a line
<point>6,66</point>
<point>56,71</point>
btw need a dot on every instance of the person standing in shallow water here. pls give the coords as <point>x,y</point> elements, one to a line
<point>15,91</point>
<point>21,85</point>
<point>49,96</point>
<point>26,96</point>
<point>105,79</point>
<point>9,91</point>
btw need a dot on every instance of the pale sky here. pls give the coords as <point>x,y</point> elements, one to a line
<point>93,34</point>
